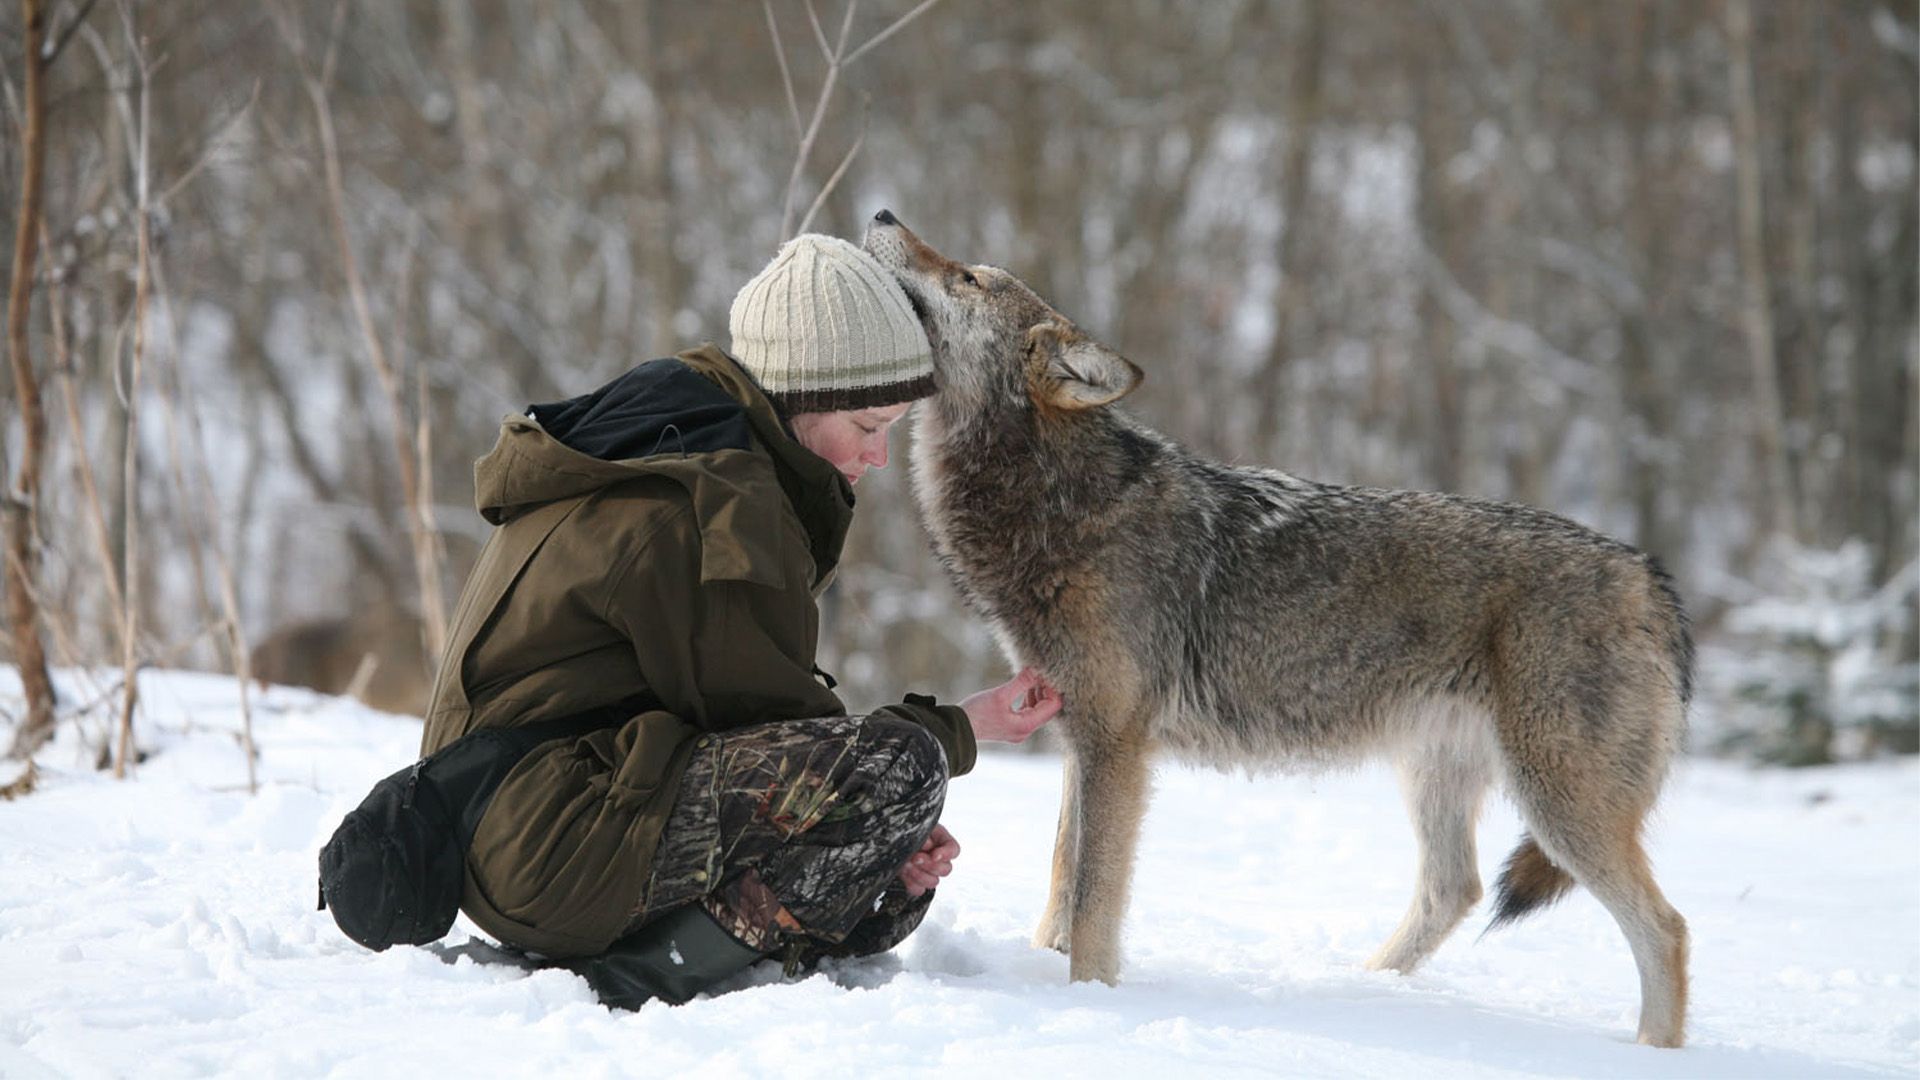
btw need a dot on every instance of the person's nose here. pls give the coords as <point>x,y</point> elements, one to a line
<point>876,454</point>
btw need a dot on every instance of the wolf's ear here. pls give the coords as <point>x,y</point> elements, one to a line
<point>1073,372</point>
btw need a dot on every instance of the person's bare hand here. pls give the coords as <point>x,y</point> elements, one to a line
<point>932,862</point>
<point>1014,710</point>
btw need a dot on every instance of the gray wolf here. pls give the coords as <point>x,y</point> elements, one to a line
<point>1247,618</point>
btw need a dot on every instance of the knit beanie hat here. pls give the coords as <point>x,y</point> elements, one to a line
<point>825,327</point>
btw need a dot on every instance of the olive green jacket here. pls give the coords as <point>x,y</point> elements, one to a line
<point>690,576</point>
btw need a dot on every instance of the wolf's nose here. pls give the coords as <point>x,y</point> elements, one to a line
<point>885,217</point>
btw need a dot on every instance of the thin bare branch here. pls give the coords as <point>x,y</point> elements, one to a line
<point>166,657</point>
<point>897,25</point>
<point>786,75</point>
<point>832,181</point>
<point>430,550</point>
<point>419,517</point>
<point>13,103</point>
<point>290,33</point>
<point>54,47</point>
<point>212,146</point>
<point>837,58</point>
<point>819,35</point>
<point>806,151</point>
<point>846,27</point>
<point>333,44</point>
<point>110,71</point>
<point>76,432</point>
<point>1563,370</point>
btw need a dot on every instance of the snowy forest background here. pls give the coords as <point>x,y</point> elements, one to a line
<point>1649,265</point>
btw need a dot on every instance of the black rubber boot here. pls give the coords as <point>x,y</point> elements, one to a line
<point>672,958</point>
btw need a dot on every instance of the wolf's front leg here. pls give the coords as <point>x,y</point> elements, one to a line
<point>1056,921</point>
<point>1110,781</point>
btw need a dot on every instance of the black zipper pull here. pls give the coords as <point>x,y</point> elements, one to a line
<point>413,783</point>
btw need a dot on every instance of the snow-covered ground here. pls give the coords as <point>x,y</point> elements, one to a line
<point>166,926</point>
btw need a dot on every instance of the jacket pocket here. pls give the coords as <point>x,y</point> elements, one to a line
<point>644,751</point>
<point>626,764</point>
<point>565,846</point>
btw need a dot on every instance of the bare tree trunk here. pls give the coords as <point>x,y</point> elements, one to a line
<point>76,432</point>
<point>110,294</point>
<point>1028,112</point>
<point>1436,220</point>
<point>1756,312</point>
<point>1646,386</point>
<point>1878,308</point>
<point>240,655</point>
<point>1303,108</point>
<point>1808,389</point>
<point>469,106</point>
<point>420,525</point>
<point>130,574</point>
<point>22,503</point>
<point>181,503</point>
<point>654,139</point>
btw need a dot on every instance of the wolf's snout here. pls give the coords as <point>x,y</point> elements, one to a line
<point>888,241</point>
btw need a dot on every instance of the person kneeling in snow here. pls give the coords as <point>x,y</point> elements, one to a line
<point>660,545</point>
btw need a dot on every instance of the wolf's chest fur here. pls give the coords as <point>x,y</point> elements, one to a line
<point>1022,549</point>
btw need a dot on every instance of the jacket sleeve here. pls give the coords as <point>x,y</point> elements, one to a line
<point>947,723</point>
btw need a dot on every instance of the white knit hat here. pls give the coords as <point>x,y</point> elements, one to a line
<point>825,327</point>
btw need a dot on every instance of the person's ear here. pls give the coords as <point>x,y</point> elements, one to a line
<point>1072,371</point>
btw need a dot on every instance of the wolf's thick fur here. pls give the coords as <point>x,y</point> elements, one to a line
<point>1248,618</point>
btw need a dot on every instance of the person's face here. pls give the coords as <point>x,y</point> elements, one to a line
<point>852,441</point>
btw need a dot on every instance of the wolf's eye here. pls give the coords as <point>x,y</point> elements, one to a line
<point>967,276</point>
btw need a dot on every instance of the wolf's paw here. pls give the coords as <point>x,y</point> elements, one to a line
<point>1383,961</point>
<point>1083,971</point>
<point>1408,948</point>
<point>1053,934</point>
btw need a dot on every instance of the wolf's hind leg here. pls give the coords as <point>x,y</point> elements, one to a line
<point>1111,778</point>
<point>1444,781</point>
<point>1585,789</point>
<point>1056,922</point>
<point>1601,849</point>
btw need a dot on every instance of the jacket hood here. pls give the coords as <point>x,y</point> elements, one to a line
<point>662,405</point>
<point>696,419</point>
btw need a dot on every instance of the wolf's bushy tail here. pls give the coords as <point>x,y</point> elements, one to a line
<point>1529,881</point>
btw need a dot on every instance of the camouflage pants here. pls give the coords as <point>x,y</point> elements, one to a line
<point>813,816</point>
